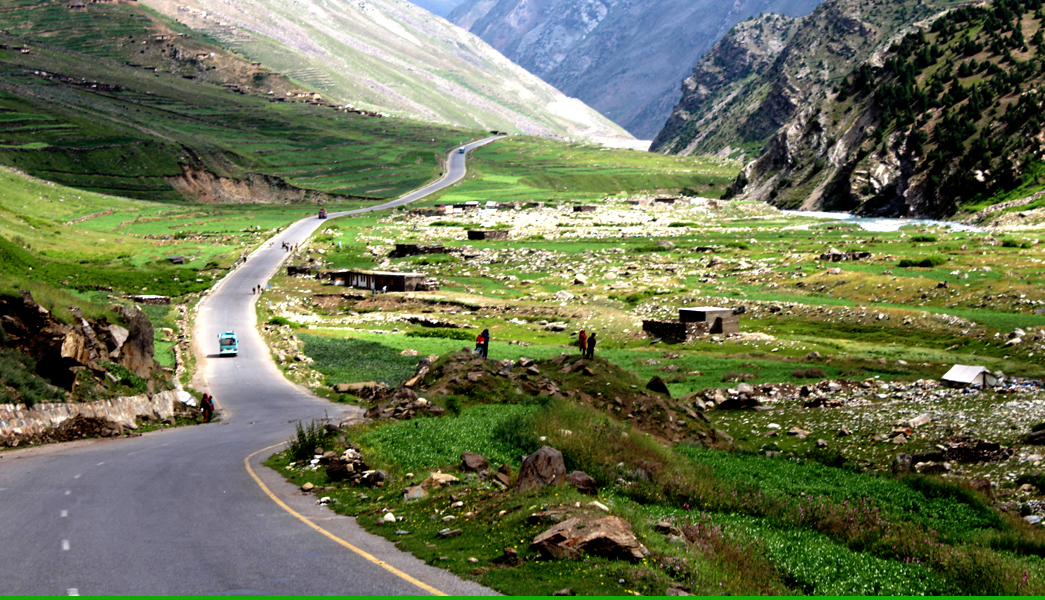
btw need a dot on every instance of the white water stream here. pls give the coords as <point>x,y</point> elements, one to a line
<point>878,223</point>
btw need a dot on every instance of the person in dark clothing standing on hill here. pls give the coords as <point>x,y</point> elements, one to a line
<point>486,343</point>
<point>591,346</point>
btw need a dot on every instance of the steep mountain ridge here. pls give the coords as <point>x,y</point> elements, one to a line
<point>622,57</point>
<point>927,110</point>
<point>394,57</point>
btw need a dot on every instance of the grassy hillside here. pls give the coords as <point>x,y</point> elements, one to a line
<point>101,125</point>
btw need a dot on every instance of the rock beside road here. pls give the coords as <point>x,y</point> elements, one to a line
<point>608,537</point>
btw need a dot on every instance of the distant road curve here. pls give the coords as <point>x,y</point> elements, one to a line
<point>176,512</point>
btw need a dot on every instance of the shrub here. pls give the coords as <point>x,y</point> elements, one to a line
<point>932,261</point>
<point>923,238</point>
<point>681,224</point>
<point>809,373</point>
<point>737,245</point>
<point>19,382</point>
<point>306,439</point>
<point>279,321</point>
<point>126,378</point>
<point>737,376</point>
<point>1014,244</point>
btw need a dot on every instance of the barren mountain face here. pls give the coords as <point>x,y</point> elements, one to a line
<point>625,58</point>
<point>391,56</point>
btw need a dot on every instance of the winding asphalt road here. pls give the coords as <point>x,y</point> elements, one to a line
<point>190,510</point>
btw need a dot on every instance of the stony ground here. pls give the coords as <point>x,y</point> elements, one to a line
<point>636,258</point>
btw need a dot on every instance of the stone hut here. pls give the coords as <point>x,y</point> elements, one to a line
<point>693,323</point>
<point>583,208</point>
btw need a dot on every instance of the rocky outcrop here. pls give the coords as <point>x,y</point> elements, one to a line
<point>624,59</point>
<point>836,124</point>
<point>204,186</point>
<point>70,353</point>
<point>609,537</point>
<point>749,49</point>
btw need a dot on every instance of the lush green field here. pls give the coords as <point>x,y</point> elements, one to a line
<point>756,525</point>
<point>524,169</point>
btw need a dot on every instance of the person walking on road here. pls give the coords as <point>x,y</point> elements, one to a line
<point>207,406</point>
<point>486,343</point>
<point>582,342</point>
<point>591,346</point>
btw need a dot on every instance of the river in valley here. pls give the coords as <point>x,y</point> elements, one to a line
<point>879,223</point>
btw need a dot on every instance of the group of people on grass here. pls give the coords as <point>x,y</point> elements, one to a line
<point>587,344</point>
<point>584,341</point>
<point>482,343</point>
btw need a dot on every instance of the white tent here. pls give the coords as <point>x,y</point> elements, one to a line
<point>966,375</point>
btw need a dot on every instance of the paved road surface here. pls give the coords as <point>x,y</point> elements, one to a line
<point>177,511</point>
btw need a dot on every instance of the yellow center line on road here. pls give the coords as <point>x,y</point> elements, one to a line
<point>370,557</point>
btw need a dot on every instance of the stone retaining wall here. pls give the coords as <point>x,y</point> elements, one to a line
<point>16,419</point>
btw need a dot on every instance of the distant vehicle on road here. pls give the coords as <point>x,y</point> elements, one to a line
<point>322,213</point>
<point>460,150</point>
<point>228,344</point>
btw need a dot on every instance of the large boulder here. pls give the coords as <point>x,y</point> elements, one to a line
<point>544,467</point>
<point>608,537</point>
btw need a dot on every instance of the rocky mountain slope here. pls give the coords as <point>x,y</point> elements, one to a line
<point>893,109</point>
<point>622,57</point>
<point>438,7</point>
<point>393,57</point>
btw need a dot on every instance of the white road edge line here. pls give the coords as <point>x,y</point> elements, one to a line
<point>64,514</point>
<point>73,592</point>
<point>65,545</point>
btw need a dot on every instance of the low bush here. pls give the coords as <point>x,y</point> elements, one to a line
<point>306,439</point>
<point>19,382</point>
<point>279,321</point>
<point>923,238</point>
<point>932,261</point>
<point>809,373</point>
<point>737,377</point>
<point>126,378</point>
